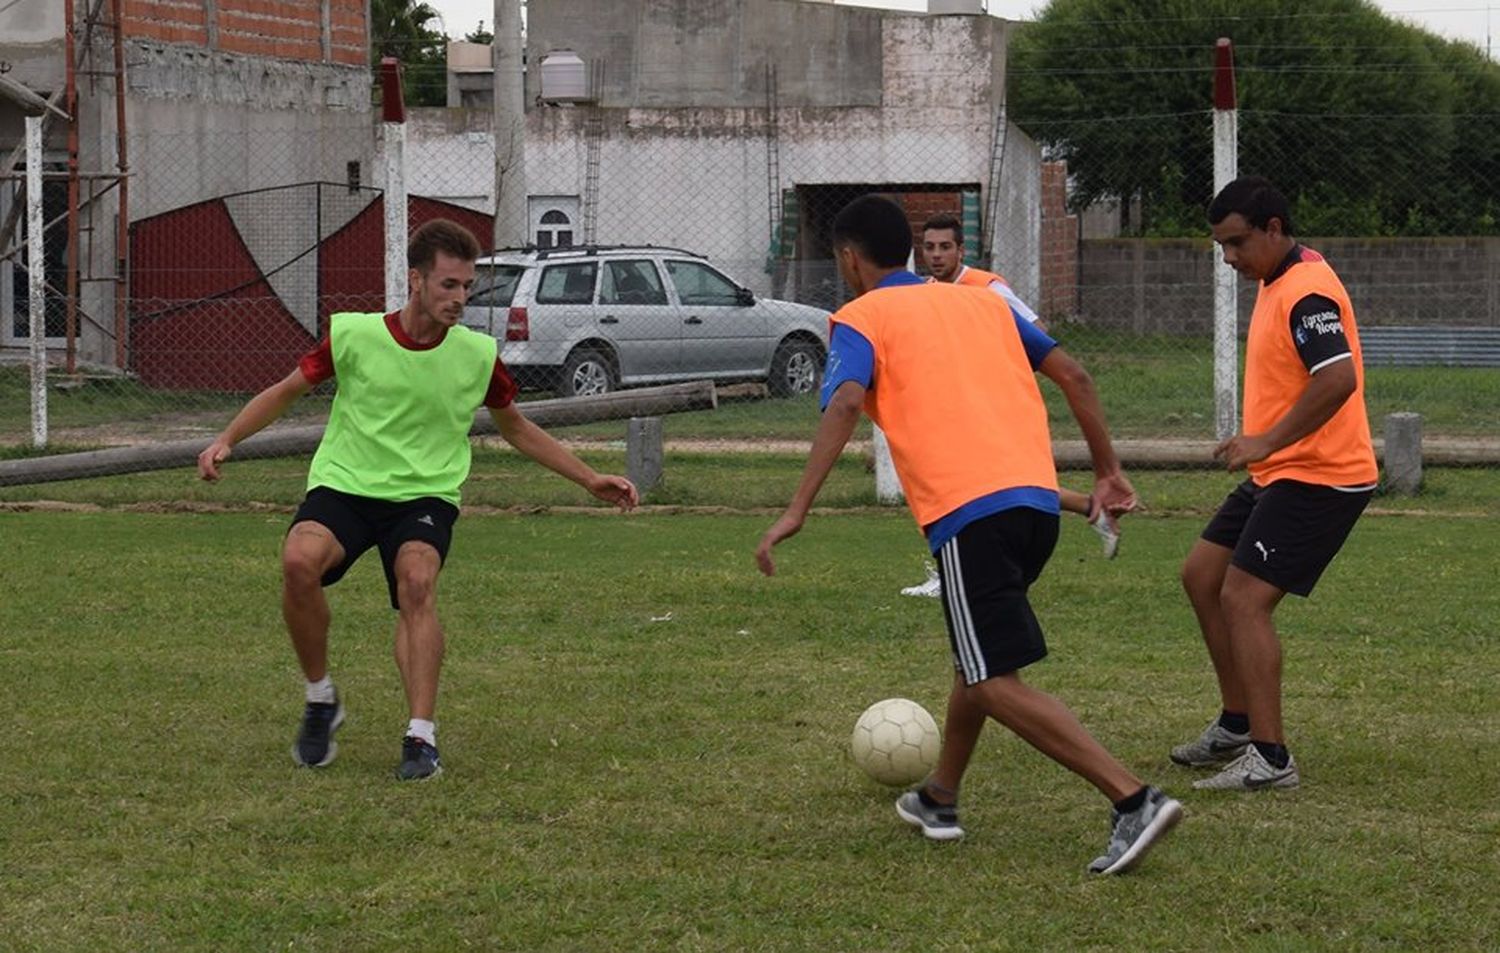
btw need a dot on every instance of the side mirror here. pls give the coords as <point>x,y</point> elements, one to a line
<point>744,297</point>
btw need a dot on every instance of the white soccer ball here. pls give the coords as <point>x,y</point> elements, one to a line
<point>895,742</point>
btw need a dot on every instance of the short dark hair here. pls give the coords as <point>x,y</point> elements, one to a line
<point>877,228</point>
<point>949,221</point>
<point>440,235</point>
<point>1254,197</point>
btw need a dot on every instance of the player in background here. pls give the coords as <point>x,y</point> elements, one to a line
<point>943,250</point>
<point>950,375</point>
<point>1305,440</point>
<point>387,474</point>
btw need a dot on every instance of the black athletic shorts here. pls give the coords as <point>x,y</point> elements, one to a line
<point>359,522</point>
<point>1286,533</point>
<point>986,570</point>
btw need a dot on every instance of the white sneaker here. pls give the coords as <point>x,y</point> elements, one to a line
<point>1252,772</point>
<point>1109,533</point>
<point>932,588</point>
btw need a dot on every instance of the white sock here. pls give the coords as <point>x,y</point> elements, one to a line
<point>321,691</point>
<point>426,730</point>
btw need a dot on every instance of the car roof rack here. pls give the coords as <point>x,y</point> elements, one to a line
<point>590,250</point>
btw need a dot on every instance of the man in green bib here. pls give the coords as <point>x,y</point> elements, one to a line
<point>387,474</point>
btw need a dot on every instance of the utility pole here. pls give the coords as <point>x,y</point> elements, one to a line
<point>508,123</point>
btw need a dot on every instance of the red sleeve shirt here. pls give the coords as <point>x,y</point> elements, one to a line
<point>317,366</point>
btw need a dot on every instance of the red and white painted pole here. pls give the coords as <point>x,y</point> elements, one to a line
<point>393,126</point>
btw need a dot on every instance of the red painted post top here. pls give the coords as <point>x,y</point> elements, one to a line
<point>392,104</point>
<point>1224,97</point>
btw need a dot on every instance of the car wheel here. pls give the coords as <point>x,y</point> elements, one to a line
<point>796,369</point>
<point>586,373</point>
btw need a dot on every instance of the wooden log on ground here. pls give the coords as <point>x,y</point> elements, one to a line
<point>291,441</point>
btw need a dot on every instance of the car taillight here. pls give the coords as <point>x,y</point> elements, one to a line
<point>517,325</point>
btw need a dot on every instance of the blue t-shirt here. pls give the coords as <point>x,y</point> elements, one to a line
<point>851,357</point>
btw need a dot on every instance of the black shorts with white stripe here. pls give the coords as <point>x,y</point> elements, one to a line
<point>986,570</point>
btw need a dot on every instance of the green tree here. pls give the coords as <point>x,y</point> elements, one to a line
<point>403,29</point>
<point>1352,113</point>
<point>480,35</point>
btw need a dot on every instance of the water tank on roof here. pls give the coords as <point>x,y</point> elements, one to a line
<point>970,7</point>
<point>565,78</point>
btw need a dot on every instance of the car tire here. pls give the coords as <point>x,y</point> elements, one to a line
<point>796,369</point>
<point>587,373</point>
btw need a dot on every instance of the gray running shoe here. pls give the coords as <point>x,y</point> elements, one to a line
<point>1131,835</point>
<point>1252,772</point>
<point>1217,745</point>
<point>937,823</point>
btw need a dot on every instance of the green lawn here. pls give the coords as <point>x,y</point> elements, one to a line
<point>503,478</point>
<point>645,746</point>
<point>1151,386</point>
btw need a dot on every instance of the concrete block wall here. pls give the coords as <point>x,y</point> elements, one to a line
<point>1165,285</point>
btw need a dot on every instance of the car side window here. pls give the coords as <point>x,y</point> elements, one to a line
<point>496,286</point>
<point>699,284</point>
<point>631,282</point>
<point>572,283</point>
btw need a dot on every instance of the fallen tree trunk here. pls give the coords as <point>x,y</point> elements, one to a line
<point>291,441</point>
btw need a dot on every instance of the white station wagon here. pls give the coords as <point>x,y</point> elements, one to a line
<point>587,320</point>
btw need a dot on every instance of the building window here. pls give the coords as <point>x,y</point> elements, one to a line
<point>555,230</point>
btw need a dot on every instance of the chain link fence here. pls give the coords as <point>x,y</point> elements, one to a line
<point>668,245</point>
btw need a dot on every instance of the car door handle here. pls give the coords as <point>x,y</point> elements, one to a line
<point>693,320</point>
<point>609,319</point>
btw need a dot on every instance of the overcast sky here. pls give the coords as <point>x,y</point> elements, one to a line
<point>1472,20</point>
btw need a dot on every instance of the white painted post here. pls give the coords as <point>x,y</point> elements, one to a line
<point>887,484</point>
<point>393,114</point>
<point>1226,170</point>
<point>508,123</point>
<point>36,271</point>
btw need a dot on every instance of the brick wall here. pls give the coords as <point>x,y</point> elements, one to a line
<point>1059,244</point>
<point>1166,285</point>
<point>315,31</point>
<point>171,21</point>
<point>919,207</point>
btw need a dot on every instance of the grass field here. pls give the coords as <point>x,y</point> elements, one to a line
<point>645,740</point>
<point>1151,386</point>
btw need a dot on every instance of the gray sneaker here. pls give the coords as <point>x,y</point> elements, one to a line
<point>1252,772</point>
<point>1131,835</point>
<point>937,823</point>
<point>1217,745</point>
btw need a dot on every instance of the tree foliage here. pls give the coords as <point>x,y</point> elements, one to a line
<point>403,29</point>
<point>1370,125</point>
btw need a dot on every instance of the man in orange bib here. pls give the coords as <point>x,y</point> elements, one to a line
<point>949,373</point>
<point>1305,441</point>
<point>943,250</point>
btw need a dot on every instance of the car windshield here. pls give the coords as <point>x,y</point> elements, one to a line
<point>495,285</point>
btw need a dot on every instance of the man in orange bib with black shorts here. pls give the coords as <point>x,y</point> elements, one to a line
<point>1305,441</point>
<point>949,373</point>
